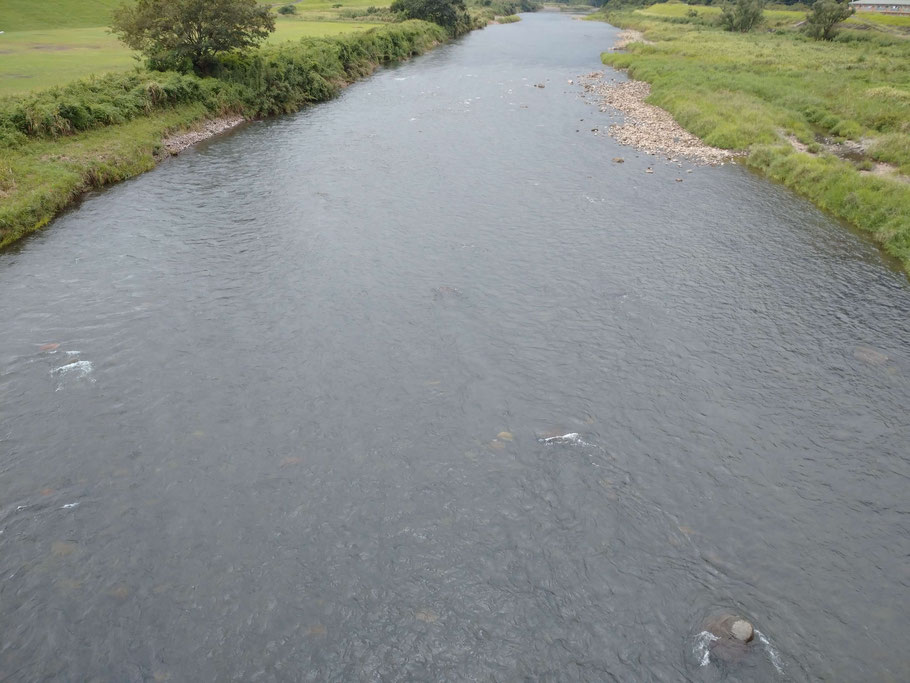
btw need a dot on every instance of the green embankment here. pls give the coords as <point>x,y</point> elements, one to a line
<point>35,59</point>
<point>759,91</point>
<point>58,143</point>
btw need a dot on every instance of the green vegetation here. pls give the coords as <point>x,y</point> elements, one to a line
<point>452,15</point>
<point>758,91</point>
<point>34,60</point>
<point>190,34</point>
<point>30,15</point>
<point>55,144</point>
<point>822,21</point>
<point>742,15</point>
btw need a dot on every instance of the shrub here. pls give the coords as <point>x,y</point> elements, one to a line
<point>821,22</point>
<point>450,14</point>
<point>177,33</point>
<point>742,15</point>
<point>287,9</point>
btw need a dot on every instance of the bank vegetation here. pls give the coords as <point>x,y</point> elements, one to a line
<point>828,118</point>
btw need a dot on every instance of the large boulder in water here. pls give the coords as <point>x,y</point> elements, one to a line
<point>732,635</point>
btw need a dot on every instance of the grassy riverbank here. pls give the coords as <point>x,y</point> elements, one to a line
<point>43,58</point>
<point>58,143</point>
<point>829,119</point>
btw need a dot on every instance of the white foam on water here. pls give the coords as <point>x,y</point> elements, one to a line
<point>69,506</point>
<point>772,653</point>
<point>79,369</point>
<point>82,367</point>
<point>572,438</point>
<point>701,648</point>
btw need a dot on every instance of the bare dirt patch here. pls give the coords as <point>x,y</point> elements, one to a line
<point>854,152</point>
<point>627,37</point>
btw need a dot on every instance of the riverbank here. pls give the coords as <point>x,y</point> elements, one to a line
<point>827,119</point>
<point>60,143</point>
<point>646,127</point>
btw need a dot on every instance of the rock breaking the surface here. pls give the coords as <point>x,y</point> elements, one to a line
<point>174,144</point>
<point>644,126</point>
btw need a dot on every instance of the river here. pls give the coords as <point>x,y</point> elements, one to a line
<point>279,409</point>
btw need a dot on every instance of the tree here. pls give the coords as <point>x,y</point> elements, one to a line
<point>825,15</point>
<point>179,34</point>
<point>450,14</point>
<point>742,15</point>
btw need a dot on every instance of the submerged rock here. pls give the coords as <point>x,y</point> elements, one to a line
<point>732,636</point>
<point>869,355</point>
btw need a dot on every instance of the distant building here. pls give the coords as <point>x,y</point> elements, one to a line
<point>882,6</point>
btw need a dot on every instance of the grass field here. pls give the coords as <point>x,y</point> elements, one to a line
<point>32,15</point>
<point>751,91</point>
<point>42,58</point>
<point>778,18</point>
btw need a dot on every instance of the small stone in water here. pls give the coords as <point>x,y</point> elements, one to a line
<point>49,347</point>
<point>62,548</point>
<point>504,436</point>
<point>618,160</point>
<point>869,355</point>
<point>426,615</point>
<point>316,630</point>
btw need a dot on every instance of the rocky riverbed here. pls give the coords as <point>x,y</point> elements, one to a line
<point>174,144</point>
<point>646,127</point>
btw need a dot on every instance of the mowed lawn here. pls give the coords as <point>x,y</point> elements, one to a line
<point>32,59</point>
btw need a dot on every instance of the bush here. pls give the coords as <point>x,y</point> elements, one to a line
<point>821,22</point>
<point>175,33</point>
<point>287,9</point>
<point>450,14</point>
<point>742,15</point>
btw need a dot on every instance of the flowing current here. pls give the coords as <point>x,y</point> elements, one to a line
<point>418,384</point>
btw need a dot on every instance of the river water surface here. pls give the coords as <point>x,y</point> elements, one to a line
<point>295,427</point>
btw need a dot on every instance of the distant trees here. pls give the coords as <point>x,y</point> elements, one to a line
<point>742,15</point>
<point>825,16</point>
<point>184,34</point>
<point>450,14</point>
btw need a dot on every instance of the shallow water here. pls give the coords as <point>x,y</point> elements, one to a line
<point>296,425</point>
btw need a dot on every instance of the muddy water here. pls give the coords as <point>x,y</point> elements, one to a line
<point>295,427</point>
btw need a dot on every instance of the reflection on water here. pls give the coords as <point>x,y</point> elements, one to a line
<point>419,384</point>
